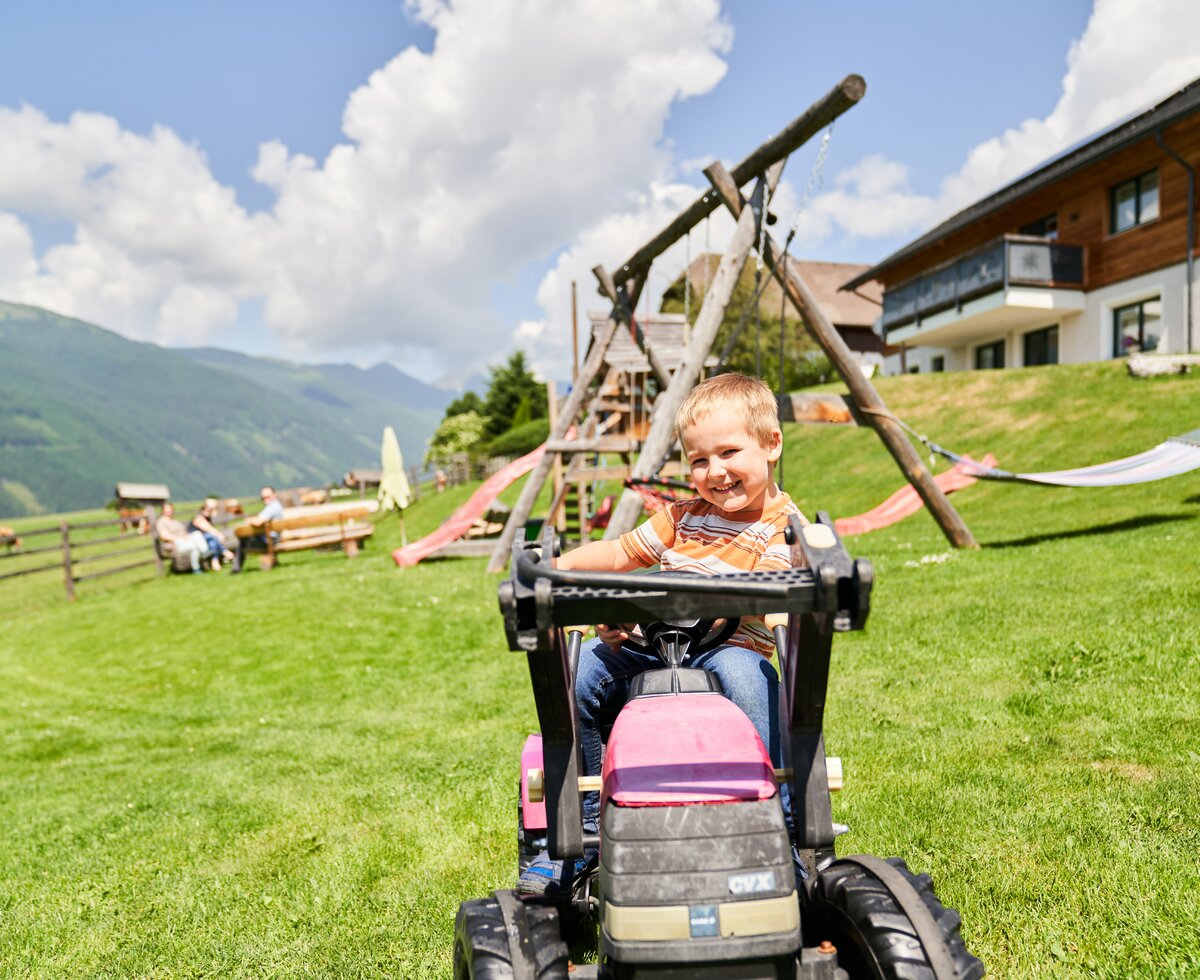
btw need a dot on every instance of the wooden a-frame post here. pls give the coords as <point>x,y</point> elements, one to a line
<point>712,313</point>
<point>820,114</point>
<point>861,390</point>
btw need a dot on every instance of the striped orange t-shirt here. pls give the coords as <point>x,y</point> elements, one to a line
<point>696,536</point>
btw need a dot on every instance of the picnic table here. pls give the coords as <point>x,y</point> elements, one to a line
<point>301,528</point>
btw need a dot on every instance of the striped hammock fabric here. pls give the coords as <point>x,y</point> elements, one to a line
<point>1179,454</point>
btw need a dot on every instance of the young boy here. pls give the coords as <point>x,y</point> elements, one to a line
<point>729,430</point>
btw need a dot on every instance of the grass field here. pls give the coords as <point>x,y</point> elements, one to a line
<point>302,773</point>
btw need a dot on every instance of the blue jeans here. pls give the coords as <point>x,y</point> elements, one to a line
<point>602,682</point>
<point>215,545</point>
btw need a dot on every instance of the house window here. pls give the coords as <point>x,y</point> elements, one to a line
<point>1041,346</point>
<point>1046,227</point>
<point>989,356</point>
<point>1135,202</point>
<point>1137,327</point>
<point>937,363</point>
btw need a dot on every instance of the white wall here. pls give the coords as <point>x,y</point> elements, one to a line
<point>1093,341</point>
<point>1087,335</point>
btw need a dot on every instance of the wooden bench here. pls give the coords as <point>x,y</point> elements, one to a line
<point>345,526</point>
<point>166,549</point>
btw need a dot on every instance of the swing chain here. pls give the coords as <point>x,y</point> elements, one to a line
<point>816,179</point>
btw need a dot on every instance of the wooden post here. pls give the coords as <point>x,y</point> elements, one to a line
<point>861,390</point>
<point>68,574</point>
<point>712,313</point>
<point>557,512</point>
<point>537,478</point>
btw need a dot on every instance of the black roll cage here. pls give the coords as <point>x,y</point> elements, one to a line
<point>824,592</point>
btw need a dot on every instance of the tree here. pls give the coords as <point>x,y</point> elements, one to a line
<point>804,363</point>
<point>457,434</point>
<point>468,401</point>
<point>514,396</point>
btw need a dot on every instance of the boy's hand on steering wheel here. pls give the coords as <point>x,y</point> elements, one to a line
<point>614,636</point>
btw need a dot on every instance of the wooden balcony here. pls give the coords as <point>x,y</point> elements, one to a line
<point>1011,261</point>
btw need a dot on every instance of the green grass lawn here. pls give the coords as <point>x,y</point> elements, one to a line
<point>303,772</point>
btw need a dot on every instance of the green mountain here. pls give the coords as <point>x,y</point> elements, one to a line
<point>82,408</point>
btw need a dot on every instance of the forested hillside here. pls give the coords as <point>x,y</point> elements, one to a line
<point>82,408</point>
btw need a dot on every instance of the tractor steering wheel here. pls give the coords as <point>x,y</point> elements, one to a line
<point>702,634</point>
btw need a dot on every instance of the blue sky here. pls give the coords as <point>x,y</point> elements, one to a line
<point>513,147</point>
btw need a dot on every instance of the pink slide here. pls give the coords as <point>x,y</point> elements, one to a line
<point>470,512</point>
<point>905,502</point>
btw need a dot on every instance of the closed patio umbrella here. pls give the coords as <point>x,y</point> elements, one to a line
<point>394,491</point>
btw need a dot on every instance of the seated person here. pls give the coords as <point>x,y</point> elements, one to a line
<point>202,522</point>
<point>729,430</point>
<point>189,546</point>
<point>272,511</point>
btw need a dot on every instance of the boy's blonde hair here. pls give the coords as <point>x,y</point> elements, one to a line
<point>751,401</point>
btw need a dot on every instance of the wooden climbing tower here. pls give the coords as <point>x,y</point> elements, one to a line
<point>650,436</point>
<point>620,412</point>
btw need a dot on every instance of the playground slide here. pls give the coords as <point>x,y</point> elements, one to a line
<point>470,512</point>
<point>905,501</point>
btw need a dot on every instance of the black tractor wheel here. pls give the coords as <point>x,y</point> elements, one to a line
<point>854,907</point>
<point>481,941</point>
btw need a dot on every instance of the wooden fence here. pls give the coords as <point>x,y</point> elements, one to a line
<point>461,468</point>
<point>81,552</point>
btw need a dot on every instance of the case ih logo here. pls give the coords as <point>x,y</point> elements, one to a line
<point>752,883</point>
<point>702,920</point>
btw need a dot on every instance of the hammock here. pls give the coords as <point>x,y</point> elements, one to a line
<point>656,494</point>
<point>1179,454</point>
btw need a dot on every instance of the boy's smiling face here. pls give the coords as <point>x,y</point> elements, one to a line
<point>729,466</point>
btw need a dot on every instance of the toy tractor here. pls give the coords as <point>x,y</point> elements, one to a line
<point>697,875</point>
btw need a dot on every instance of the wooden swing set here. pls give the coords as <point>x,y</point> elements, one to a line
<point>677,375</point>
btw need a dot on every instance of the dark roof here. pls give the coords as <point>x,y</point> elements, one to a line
<point>1108,141</point>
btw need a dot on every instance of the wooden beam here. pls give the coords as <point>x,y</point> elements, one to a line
<point>557,517</point>
<point>799,131</point>
<point>662,426</point>
<point>863,392</point>
<point>599,444</point>
<point>622,471</point>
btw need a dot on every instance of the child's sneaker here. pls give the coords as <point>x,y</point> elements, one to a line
<point>799,865</point>
<point>546,876</point>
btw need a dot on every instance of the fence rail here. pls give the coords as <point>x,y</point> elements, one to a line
<point>77,546</point>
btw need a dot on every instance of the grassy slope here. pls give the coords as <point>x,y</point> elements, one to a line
<point>302,773</point>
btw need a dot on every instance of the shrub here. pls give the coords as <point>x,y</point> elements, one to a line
<point>457,434</point>
<point>520,439</point>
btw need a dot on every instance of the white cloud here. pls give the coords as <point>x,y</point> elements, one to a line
<point>526,122</point>
<point>153,228</point>
<point>17,263</point>
<point>607,242</point>
<point>527,125</point>
<point>1131,54</point>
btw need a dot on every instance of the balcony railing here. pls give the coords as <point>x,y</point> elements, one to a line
<point>1015,260</point>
